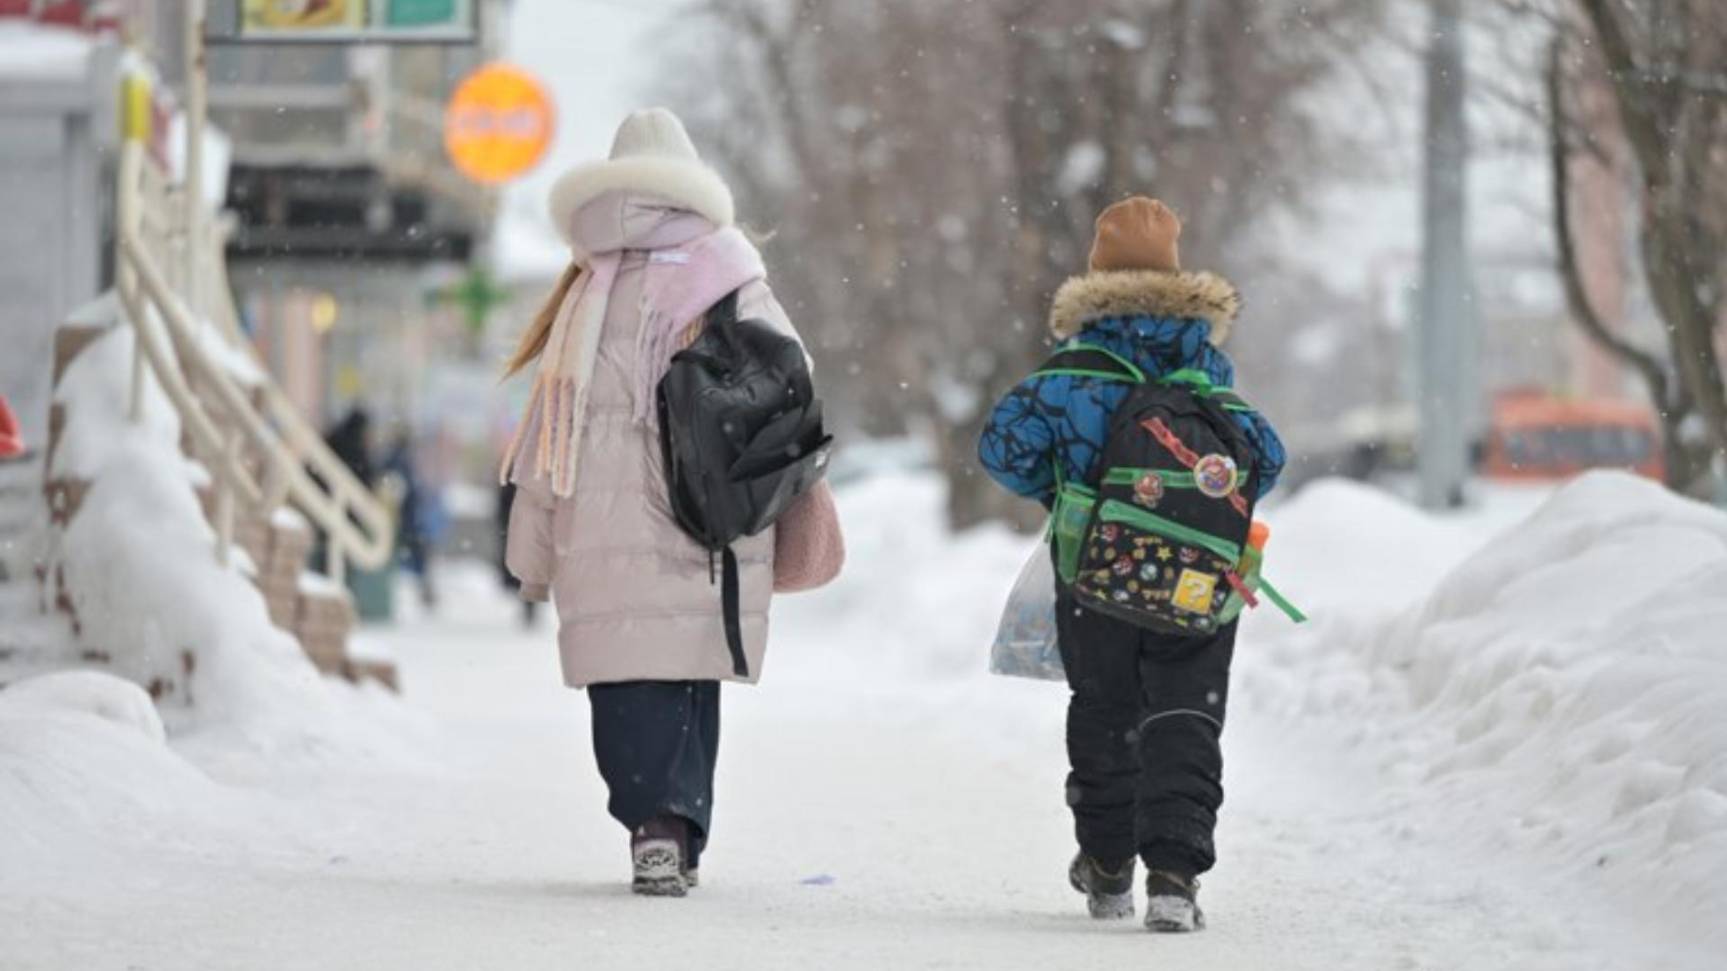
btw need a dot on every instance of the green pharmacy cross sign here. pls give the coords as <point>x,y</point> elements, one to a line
<point>476,295</point>
<point>355,21</point>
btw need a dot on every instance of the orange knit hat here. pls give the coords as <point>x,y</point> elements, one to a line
<point>1137,234</point>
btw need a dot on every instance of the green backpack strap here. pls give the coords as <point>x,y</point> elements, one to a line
<point>1276,597</point>
<point>1081,360</point>
<point>1202,385</point>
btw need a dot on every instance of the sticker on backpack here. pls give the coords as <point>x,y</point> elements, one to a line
<point>1194,592</point>
<point>1214,475</point>
<point>1148,490</point>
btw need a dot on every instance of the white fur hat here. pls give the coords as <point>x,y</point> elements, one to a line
<point>651,154</point>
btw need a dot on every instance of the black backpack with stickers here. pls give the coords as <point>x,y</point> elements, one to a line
<point>1157,538</point>
<point>741,436</point>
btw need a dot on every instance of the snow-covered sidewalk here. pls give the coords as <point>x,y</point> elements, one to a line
<point>882,803</point>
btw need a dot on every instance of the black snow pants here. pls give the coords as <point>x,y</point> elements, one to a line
<point>656,743</point>
<point>1143,731</point>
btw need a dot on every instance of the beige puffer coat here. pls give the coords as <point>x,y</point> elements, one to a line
<point>634,594</point>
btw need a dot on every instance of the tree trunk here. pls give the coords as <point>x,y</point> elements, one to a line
<point>1673,288</point>
<point>1673,134</point>
<point>973,497</point>
<point>1692,384</point>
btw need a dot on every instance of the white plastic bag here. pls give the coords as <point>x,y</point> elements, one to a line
<point>1025,643</point>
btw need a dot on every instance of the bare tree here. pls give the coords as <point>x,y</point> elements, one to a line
<point>1663,64</point>
<point>932,169</point>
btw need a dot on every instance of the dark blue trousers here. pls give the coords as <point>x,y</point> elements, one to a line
<point>656,743</point>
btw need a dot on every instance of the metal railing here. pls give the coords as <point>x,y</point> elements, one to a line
<point>171,279</point>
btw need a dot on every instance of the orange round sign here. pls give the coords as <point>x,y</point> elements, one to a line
<point>498,124</point>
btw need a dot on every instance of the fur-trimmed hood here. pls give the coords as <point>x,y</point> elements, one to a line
<point>683,184</point>
<point>652,156</point>
<point>1149,293</point>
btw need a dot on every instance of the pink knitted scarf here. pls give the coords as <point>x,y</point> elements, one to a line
<point>680,282</point>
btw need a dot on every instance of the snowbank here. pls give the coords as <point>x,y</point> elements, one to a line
<point>139,559</point>
<point>93,693</point>
<point>1563,689</point>
<point>30,51</point>
<point>914,600</point>
<point>83,761</point>
<point>1398,550</point>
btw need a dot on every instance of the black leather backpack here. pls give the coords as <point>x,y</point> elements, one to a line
<point>741,434</point>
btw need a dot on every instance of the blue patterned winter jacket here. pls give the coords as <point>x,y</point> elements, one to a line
<point>1163,322</point>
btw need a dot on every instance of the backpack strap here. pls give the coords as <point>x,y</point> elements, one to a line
<point>1081,360</point>
<point>1200,383</point>
<point>1090,361</point>
<point>1276,596</point>
<point>724,312</point>
<point>720,316</point>
<point>731,611</point>
<point>1189,458</point>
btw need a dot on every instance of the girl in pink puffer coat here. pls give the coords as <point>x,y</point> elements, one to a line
<point>640,626</point>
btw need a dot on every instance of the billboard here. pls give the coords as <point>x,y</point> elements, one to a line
<point>355,21</point>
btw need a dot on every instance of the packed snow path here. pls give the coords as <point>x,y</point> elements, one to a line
<point>880,806</point>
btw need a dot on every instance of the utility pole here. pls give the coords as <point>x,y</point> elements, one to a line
<point>1447,323</point>
<point>197,111</point>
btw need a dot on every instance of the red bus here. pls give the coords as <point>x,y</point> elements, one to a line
<point>1538,436</point>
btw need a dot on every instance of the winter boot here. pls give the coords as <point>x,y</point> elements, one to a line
<point>658,850</point>
<point>1108,889</point>
<point>1171,906</point>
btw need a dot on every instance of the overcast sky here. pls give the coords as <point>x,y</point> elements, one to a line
<point>594,55</point>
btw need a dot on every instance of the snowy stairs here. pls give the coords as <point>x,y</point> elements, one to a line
<point>30,638</point>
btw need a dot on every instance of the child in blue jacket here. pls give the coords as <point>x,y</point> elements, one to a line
<point>1146,712</point>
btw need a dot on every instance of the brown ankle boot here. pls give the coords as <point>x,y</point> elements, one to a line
<point>659,849</point>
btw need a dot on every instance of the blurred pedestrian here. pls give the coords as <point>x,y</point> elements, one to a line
<point>415,517</point>
<point>351,439</point>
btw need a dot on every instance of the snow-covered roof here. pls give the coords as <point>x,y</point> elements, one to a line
<point>31,51</point>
